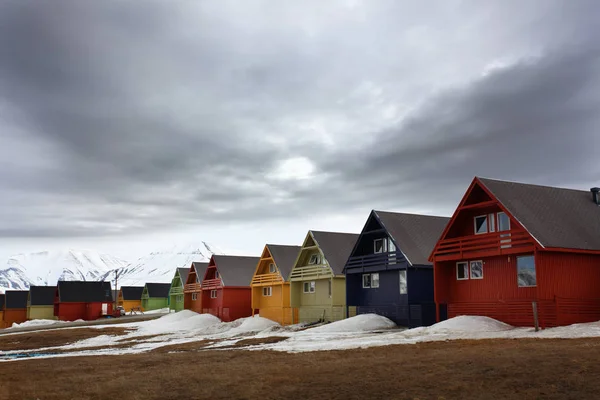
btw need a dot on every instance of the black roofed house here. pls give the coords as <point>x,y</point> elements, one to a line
<point>317,280</point>
<point>155,296</point>
<point>226,291</point>
<point>388,272</point>
<point>511,245</point>
<point>176,301</point>
<point>130,297</point>
<point>84,300</point>
<point>15,307</point>
<point>40,302</point>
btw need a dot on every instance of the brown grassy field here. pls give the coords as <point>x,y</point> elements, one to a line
<point>486,369</point>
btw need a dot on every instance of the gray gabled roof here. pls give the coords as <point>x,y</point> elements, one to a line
<point>42,295</point>
<point>415,235</point>
<point>284,257</point>
<point>336,247</point>
<point>200,268</point>
<point>183,273</point>
<point>236,270</point>
<point>555,217</point>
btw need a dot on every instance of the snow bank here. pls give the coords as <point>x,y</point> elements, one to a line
<point>467,323</point>
<point>158,311</point>
<point>359,323</point>
<point>185,320</point>
<point>252,324</point>
<point>35,322</point>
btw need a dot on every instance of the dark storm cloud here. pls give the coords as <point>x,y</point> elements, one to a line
<point>119,117</point>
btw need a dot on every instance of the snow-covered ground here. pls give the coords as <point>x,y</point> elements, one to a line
<point>361,331</point>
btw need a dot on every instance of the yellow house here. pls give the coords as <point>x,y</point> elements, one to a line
<point>317,280</point>
<point>40,302</point>
<point>270,288</point>
<point>130,297</point>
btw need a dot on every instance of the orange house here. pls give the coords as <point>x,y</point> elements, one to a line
<point>2,311</point>
<point>192,290</point>
<point>270,285</point>
<point>15,307</point>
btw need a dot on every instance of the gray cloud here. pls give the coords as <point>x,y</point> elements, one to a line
<point>121,118</point>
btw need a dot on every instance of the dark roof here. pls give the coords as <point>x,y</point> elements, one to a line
<point>336,247</point>
<point>2,302</point>
<point>159,290</point>
<point>284,257</point>
<point>183,273</point>
<point>15,299</point>
<point>200,268</point>
<point>84,292</point>
<point>235,270</point>
<point>415,235</point>
<point>132,292</point>
<point>555,217</point>
<point>41,295</point>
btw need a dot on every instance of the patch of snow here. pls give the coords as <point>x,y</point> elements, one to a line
<point>467,323</point>
<point>181,321</point>
<point>35,322</point>
<point>358,323</point>
<point>253,324</point>
<point>159,311</point>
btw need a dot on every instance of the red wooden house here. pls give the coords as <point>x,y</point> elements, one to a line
<point>226,291</point>
<point>15,307</point>
<point>82,300</point>
<point>192,290</point>
<point>510,245</point>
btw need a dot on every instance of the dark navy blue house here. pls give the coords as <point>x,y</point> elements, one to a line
<point>388,273</point>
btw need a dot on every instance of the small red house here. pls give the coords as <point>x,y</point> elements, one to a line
<point>82,300</point>
<point>226,291</point>
<point>15,307</point>
<point>510,245</point>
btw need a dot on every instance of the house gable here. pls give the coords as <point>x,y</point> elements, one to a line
<point>310,262</point>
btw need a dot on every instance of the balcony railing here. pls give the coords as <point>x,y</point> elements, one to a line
<point>311,272</point>
<point>375,260</point>
<point>212,283</point>
<point>267,279</point>
<point>192,287</point>
<point>488,244</point>
<point>176,290</point>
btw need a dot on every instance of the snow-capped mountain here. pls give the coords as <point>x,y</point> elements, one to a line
<point>47,267</point>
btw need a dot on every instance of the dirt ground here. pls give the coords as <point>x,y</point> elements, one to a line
<point>51,338</point>
<point>486,369</point>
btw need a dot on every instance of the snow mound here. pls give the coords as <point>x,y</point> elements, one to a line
<point>359,323</point>
<point>36,322</point>
<point>184,320</point>
<point>253,324</point>
<point>467,323</point>
<point>158,311</point>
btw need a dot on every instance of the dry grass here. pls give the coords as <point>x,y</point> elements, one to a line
<point>52,338</point>
<point>490,369</point>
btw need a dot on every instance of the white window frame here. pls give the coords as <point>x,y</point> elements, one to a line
<point>194,296</point>
<point>363,281</point>
<point>213,294</point>
<point>267,291</point>
<point>466,263</point>
<point>507,218</point>
<point>382,240</point>
<point>534,269</point>
<point>373,280</point>
<point>311,287</point>
<point>316,257</point>
<point>403,272</point>
<point>475,224</point>
<point>471,272</point>
<point>491,222</point>
<point>272,268</point>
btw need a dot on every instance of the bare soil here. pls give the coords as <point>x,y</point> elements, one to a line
<point>52,338</point>
<point>485,369</point>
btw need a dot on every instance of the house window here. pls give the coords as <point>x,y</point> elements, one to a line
<point>267,291</point>
<point>481,224</point>
<point>503,222</point>
<point>180,298</point>
<point>366,281</point>
<point>462,270</point>
<point>329,287</point>
<point>492,222</point>
<point>314,259</point>
<point>526,271</point>
<point>272,268</point>
<point>194,296</point>
<point>216,274</point>
<point>375,280</point>
<point>213,294</point>
<point>378,246</point>
<point>309,287</point>
<point>403,286</point>
<point>477,269</point>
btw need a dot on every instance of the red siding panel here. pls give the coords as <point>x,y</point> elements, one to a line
<point>575,276</point>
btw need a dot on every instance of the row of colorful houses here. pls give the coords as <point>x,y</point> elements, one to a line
<point>507,247</point>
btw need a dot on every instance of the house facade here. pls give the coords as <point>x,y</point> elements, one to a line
<point>15,307</point>
<point>270,287</point>
<point>130,297</point>
<point>388,272</point>
<point>84,300</point>
<point>155,296</point>
<point>226,291</point>
<point>317,281</point>
<point>40,302</point>
<point>510,247</point>
<point>2,298</point>
<point>192,290</point>
<point>176,302</point>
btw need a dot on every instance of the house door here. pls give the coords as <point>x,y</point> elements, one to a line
<point>104,308</point>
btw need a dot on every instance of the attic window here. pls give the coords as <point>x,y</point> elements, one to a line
<point>272,268</point>
<point>315,259</point>
<point>378,246</point>
<point>216,274</point>
<point>481,225</point>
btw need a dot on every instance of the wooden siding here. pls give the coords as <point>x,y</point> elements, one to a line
<point>154,303</point>
<point>128,305</point>
<point>40,312</point>
<point>17,315</point>
<point>313,306</point>
<point>231,303</point>
<point>275,307</point>
<point>85,311</point>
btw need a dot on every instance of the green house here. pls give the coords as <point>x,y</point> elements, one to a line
<point>176,290</point>
<point>40,302</point>
<point>317,281</point>
<point>155,296</point>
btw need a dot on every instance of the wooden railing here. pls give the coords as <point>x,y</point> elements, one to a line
<point>211,283</point>
<point>176,290</point>
<point>375,260</point>
<point>266,279</point>
<point>310,272</point>
<point>192,287</point>
<point>496,243</point>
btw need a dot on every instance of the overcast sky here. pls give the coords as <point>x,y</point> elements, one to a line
<point>126,126</point>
